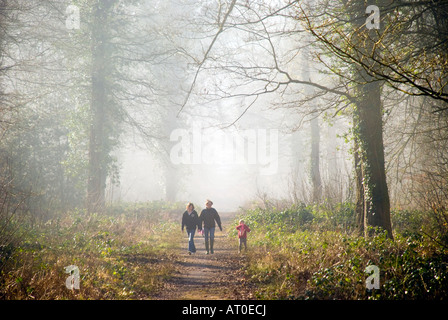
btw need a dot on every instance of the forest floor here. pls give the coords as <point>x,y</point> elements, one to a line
<point>218,276</point>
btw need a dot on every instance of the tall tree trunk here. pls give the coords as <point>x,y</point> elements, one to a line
<point>315,135</point>
<point>315,159</point>
<point>370,137</point>
<point>368,130</point>
<point>98,150</point>
<point>359,209</point>
<point>171,183</point>
<point>172,171</point>
<point>297,166</point>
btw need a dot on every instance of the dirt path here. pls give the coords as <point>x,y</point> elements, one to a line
<point>217,276</point>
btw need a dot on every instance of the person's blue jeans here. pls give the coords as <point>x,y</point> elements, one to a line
<point>209,233</point>
<point>191,246</point>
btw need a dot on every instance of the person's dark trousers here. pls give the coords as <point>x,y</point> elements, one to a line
<point>191,246</point>
<point>243,241</point>
<point>209,234</point>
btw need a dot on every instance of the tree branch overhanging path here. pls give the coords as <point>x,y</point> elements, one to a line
<point>277,84</point>
<point>204,59</point>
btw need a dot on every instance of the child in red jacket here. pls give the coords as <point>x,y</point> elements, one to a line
<point>243,229</point>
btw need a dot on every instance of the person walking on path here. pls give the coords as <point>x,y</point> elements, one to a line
<point>208,217</point>
<point>191,220</point>
<point>243,229</point>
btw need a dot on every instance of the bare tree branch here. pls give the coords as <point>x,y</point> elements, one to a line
<point>204,59</point>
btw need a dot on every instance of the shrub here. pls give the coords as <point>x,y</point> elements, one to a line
<point>290,218</point>
<point>340,216</point>
<point>407,221</point>
<point>119,255</point>
<point>313,259</point>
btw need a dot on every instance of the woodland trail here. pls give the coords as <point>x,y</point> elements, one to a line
<point>217,276</point>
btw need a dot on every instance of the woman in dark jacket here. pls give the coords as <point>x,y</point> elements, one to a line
<point>190,219</point>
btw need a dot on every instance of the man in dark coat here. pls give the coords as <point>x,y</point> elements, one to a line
<point>208,217</point>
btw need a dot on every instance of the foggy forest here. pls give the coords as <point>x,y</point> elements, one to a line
<point>310,138</point>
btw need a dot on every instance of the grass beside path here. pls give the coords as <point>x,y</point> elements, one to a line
<point>132,251</point>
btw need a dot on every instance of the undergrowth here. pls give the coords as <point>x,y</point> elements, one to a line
<point>313,252</point>
<point>120,254</point>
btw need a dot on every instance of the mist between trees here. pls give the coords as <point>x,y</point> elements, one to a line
<point>246,147</point>
<point>92,91</point>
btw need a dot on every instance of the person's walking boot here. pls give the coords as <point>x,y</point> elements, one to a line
<point>211,245</point>
<point>206,247</point>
